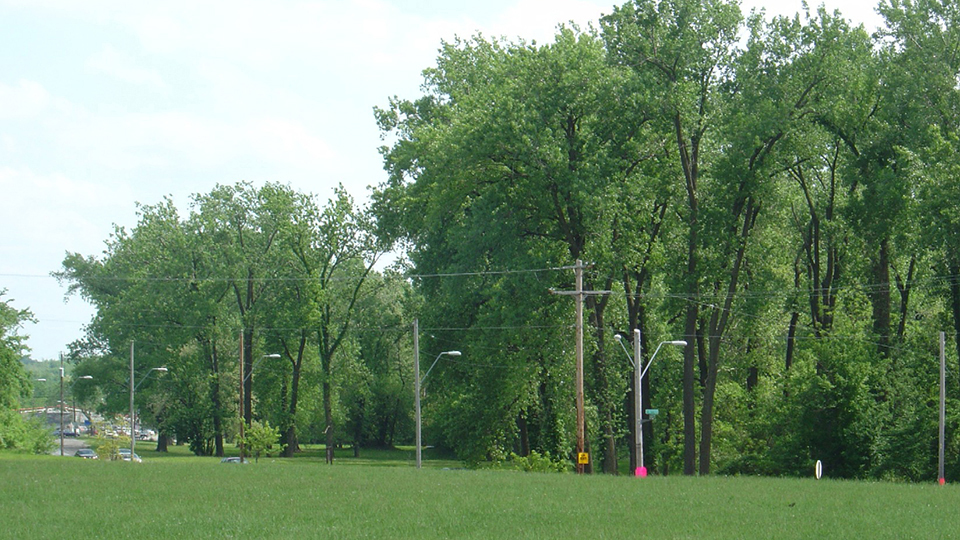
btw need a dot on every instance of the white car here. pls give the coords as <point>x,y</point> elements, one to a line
<point>125,455</point>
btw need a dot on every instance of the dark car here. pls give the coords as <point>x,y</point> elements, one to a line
<point>86,453</point>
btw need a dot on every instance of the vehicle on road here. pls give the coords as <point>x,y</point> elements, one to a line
<point>235,460</point>
<point>125,455</point>
<point>86,453</point>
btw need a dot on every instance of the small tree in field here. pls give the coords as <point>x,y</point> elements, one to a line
<point>261,437</point>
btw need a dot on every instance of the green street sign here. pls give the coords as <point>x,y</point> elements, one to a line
<point>653,412</point>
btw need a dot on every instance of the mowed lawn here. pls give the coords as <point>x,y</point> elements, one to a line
<point>53,497</point>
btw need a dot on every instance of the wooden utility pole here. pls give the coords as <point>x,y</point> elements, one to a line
<point>580,294</point>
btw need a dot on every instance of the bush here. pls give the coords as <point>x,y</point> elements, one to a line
<point>535,462</point>
<point>24,435</point>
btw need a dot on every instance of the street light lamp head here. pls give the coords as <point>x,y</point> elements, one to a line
<point>42,380</point>
<point>161,369</point>
<point>452,353</point>
<point>88,377</point>
<point>681,343</point>
<point>274,355</point>
<point>618,337</point>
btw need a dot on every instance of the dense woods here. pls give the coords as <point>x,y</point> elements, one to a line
<point>779,193</point>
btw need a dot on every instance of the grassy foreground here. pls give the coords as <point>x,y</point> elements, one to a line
<point>52,497</point>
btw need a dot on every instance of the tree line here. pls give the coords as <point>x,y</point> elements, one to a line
<point>779,193</point>
<point>776,192</point>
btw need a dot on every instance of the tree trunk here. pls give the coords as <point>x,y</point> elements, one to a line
<point>290,435</point>
<point>880,298</point>
<point>248,375</point>
<point>954,265</point>
<point>689,409</point>
<point>607,403</point>
<point>904,286</point>
<point>717,328</point>
<point>328,419</point>
<point>524,433</point>
<point>215,399</point>
<point>162,442</point>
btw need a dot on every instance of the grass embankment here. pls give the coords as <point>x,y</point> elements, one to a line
<point>53,497</point>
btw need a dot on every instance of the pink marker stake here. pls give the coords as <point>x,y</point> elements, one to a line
<point>641,472</point>
<point>942,481</point>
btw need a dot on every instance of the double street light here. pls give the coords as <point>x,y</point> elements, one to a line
<point>133,389</point>
<point>639,370</point>
<point>417,383</point>
<point>243,381</point>
<point>62,402</point>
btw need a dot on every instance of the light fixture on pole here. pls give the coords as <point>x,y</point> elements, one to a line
<point>133,389</point>
<point>74,398</point>
<point>61,404</point>
<point>243,381</point>
<point>416,400</point>
<point>639,370</point>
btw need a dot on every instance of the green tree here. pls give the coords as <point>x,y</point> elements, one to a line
<point>260,438</point>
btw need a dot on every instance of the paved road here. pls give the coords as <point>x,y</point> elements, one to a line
<point>70,446</point>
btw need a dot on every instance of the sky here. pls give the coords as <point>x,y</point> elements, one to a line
<point>108,103</point>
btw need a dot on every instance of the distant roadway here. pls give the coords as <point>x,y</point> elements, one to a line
<point>70,446</point>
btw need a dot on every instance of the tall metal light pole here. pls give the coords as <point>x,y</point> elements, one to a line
<point>61,404</point>
<point>639,370</point>
<point>133,389</point>
<point>73,397</point>
<point>941,476</point>
<point>243,381</point>
<point>416,400</point>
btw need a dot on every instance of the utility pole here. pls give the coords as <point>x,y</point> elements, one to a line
<point>580,294</point>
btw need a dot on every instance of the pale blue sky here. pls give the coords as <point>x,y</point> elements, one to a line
<point>104,103</point>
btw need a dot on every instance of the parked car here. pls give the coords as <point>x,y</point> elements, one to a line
<point>86,453</point>
<point>125,455</point>
<point>235,460</point>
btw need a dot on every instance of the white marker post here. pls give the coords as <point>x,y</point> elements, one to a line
<point>818,469</point>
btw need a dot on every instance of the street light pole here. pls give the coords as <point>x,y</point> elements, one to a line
<point>61,404</point>
<point>73,397</point>
<point>416,401</point>
<point>638,403</point>
<point>133,439</point>
<point>639,370</point>
<point>133,389</point>
<point>243,381</point>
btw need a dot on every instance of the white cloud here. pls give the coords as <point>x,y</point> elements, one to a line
<point>119,65</point>
<point>525,19</point>
<point>25,99</point>
<point>284,141</point>
<point>45,213</point>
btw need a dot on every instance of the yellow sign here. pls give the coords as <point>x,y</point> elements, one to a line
<point>583,458</point>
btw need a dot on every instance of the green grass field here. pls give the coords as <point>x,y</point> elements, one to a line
<point>384,496</point>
